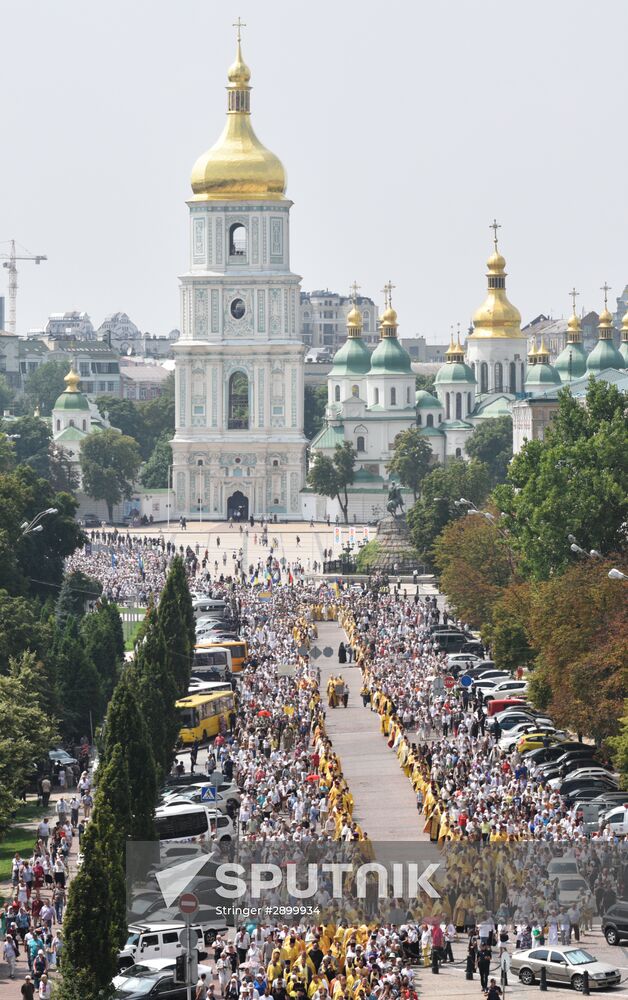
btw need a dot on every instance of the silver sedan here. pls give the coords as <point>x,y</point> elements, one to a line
<point>565,965</point>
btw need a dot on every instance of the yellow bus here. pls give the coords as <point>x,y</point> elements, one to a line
<point>200,715</point>
<point>237,647</point>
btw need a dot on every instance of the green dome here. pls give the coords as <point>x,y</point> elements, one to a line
<point>542,374</point>
<point>571,362</point>
<point>353,358</point>
<point>623,350</point>
<point>454,371</point>
<point>604,355</point>
<point>425,401</point>
<point>71,401</point>
<point>390,358</point>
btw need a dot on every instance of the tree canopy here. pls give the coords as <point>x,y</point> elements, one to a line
<point>574,481</point>
<point>31,442</point>
<point>156,471</point>
<point>491,443</point>
<point>412,459</point>
<point>436,506</point>
<point>109,463</point>
<point>44,386</point>
<point>314,409</point>
<point>331,477</point>
<point>475,565</point>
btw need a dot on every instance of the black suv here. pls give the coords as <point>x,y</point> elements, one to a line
<point>615,922</point>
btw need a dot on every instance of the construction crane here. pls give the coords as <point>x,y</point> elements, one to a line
<point>9,261</point>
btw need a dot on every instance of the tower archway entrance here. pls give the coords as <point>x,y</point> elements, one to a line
<point>238,506</point>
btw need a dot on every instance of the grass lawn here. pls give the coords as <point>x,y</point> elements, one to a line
<point>18,839</point>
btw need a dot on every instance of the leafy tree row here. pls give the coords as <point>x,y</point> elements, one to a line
<point>140,733</point>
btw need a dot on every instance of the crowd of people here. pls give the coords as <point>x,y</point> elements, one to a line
<point>496,823</point>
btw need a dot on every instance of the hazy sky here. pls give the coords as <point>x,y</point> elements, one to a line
<point>404,127</point>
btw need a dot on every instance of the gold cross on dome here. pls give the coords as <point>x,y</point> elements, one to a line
<point>239,24</point>
<point>387,290</point>
<point>606,289</point>
<point>495,225</point>
<point>574,295</point>
<point>353,291</point>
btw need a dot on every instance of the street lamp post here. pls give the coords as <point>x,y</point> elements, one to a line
<point>34,527</point>
<point>616,574</point>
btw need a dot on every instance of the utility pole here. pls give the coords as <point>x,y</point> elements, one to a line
<point>9,261</point>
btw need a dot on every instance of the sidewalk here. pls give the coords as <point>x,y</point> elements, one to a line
<point>10,989</point>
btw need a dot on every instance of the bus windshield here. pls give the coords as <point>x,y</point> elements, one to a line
<point>188,718</point>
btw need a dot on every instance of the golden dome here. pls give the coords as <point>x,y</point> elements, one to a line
<point>239,72</point>
<point>497,317</point>
<point>574,328</point>
<point>543,353</point>
<point>389,317</point>
<point>354,320</point>
<point>72,380</point>
<point>624,326</point>
<point>238,166</point>
<point>606,319</point>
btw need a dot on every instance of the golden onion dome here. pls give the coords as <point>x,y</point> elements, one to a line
<point>72,380</point>
<point>354,319</point>
<point>238,166</point>
<point>497,317</point>
<point>606,319</point>
<point>624,326</point>
<point>239,72</point>
<point>574,327</point>
<point>389,317</point>
<point>543,353</point>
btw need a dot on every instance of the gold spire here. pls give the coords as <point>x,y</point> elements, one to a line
<point>532,352</point>
<point>543,354</point>
<point>238,166</point>
<point>497,318</point>
<point>354,316</point>
<point>455,351</point>
<point>605,322</point>
<point>389,316</point>
<point>624,328</point>
<point>72,380</point>
<point>574,329</point>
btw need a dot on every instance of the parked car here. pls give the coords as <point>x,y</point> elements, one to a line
<point>617,819</point>
<point>150,968</point>
<point>61,757</point>
<point>90,521</point>
<point>565,965</point>
<point>567,865</point>
<point>527,732</point>
<point>537,738</point>
<point>593,771</point>
<point>615,922</point>
<point>542,754</point>
<point>571,888</point>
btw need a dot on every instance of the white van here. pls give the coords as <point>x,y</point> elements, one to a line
<point>617,819</point>
<point>148,941</point>
<point>183,822</point>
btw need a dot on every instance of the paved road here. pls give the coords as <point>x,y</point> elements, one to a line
<point>384,801</point>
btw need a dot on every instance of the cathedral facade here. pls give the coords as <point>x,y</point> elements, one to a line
<point>239,447</point>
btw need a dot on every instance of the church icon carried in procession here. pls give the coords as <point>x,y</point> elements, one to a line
<point>239,448</point>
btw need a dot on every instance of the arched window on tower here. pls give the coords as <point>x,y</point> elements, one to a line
<point>58,424</point>
<point>238,407</point>
<point>458,452</point>
<point>337,394</point>
<point>376,396</point>
<point>468,403</point>
<point>408,395</point>
<point>499,377</point>
<point>393,397</point>
<point>355,391</point>
<point>237,240</point>
<point>430,420</point>
<point>523,376</point>
<point>359,444</point>
<point>447,406</point>
<point>85,425</point>
<point>458,406</point>
<point>419,419</point>
<point>484,377</point>
<point>512,386</point>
